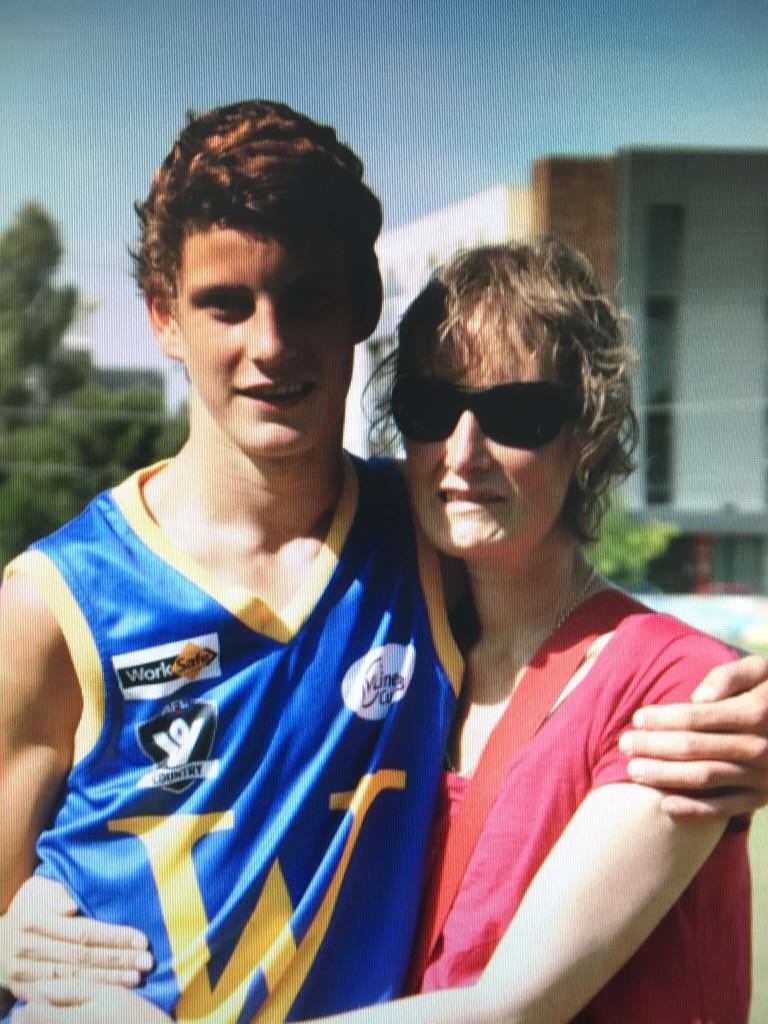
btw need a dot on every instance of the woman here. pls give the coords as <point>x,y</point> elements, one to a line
<point>580,899</point>
<point>513,394</point>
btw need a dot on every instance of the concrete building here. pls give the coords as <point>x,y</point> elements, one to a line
<point>692,269</point>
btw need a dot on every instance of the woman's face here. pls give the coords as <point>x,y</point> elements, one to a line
<point>478,499</point>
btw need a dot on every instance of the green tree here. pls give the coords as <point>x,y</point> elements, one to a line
<point>50,469</point>
<point>626,545</point>
<point>35,314</point>
<point>63,437</point>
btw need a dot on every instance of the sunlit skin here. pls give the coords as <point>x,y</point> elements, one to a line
<point>499,509</point>
<point>474,494</point>
<point>234,326</point>
<point>492,503</point>
<point>264,328</point>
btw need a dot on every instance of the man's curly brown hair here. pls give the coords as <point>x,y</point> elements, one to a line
<point>260,166</point>
<point>547,295</point>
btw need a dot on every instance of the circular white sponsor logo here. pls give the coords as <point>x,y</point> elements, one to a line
<point>376,681</point>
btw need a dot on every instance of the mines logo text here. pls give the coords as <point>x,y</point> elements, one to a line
<point>157,672</point>
<point>378,680</point>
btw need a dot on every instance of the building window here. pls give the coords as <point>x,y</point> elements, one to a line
<point>662,275</point>
<point>737,564</point>
<point>663,249</point>
<point>660,317</point>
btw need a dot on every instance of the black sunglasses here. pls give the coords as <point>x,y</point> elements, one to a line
<point>520,415</point>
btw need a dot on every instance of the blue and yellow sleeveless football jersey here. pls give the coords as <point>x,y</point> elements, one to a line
<point>253,788</point>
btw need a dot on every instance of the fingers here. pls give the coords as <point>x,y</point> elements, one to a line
<point>704,789</point>
<point>746,713</point>
<point>86,934</point>
<point>43,907</point>
<point>720,749</point>
<point>40,988</point>
<point>27,982</point>
<point>33,948</point>
<point>741,748</point>
<point>732,679</point>
<point>40,943</point>
<point>46,958</point>
<point>43,892</point>
<point>60,992</point>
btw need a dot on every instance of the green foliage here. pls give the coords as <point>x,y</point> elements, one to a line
<point>34,312</point>
<point>113,430</point>
<point>63,437</point>
<point>37,500</point>
<point>626,545</point>
<point>66,372</point>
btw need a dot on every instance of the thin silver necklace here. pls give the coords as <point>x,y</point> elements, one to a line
<point>564,614</point>
<point>582,593</point>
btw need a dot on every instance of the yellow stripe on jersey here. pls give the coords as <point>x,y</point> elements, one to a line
<point>267,941</point>
<point>169,841</point>
<point>284,985</point>
<point>280,624</point>
<point>432,584</point>
<point>41,571</point>
<point>296,612</point>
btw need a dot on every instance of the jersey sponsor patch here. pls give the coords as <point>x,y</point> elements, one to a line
<point>179,741</point>
<point>157,672</point>
<point>379,679</point>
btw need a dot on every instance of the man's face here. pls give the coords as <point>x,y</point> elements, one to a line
<point>264,326</point>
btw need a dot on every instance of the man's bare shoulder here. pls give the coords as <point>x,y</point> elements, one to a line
<point>39,714</point>
<point>36,665</point>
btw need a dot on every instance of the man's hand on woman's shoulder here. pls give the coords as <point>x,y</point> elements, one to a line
<point>714,751</point>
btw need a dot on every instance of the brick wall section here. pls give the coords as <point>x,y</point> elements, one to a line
<point>574,198</point>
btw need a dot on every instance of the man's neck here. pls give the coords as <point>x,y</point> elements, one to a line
<point>249,528</point>
<point>267,503</point>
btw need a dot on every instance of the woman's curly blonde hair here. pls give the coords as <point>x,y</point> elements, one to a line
<point>546,294</point>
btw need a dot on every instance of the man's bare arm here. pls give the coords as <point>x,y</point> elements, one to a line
<point>39,714</point>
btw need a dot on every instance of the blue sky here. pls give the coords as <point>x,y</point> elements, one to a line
<point>441,98</point>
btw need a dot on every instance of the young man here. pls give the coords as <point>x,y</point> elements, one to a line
<point>227,695</point>
<point>227,711</point>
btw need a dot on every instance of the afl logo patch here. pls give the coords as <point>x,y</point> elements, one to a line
<point>179,742</point>
<point>378,680</point>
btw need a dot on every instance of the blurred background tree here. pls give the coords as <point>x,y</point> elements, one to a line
<point>63,436</point>
<point>625,546</point>
<point>35,314</point>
